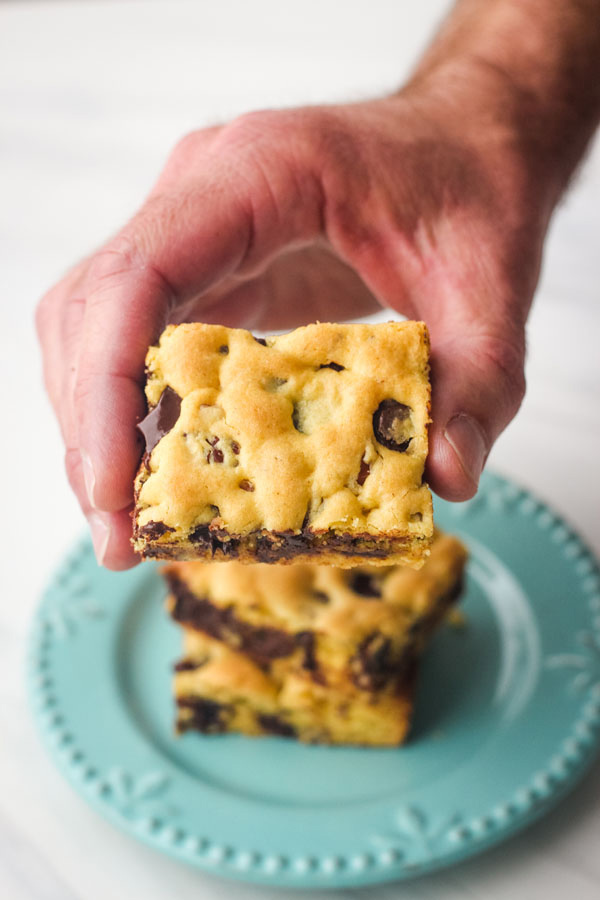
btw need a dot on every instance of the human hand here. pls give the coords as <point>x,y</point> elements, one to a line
<point>423,202</point>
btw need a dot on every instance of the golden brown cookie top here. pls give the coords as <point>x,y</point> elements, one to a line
<point>324,427</point>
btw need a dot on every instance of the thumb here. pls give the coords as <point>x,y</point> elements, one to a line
<point>478,384</point>
<point>227,218</point>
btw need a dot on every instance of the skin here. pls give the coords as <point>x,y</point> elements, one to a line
<point>434,201</point>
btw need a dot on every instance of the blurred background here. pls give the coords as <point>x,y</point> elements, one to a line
<point>93,95</point>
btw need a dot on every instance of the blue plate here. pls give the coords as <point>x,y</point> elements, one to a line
<point>508,718</point>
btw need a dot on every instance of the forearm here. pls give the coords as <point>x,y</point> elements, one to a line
<point>541,59</point>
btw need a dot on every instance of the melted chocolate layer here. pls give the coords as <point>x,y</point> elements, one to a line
<point>276,725</point>
<point>271,546</point>
<point>263,643</point>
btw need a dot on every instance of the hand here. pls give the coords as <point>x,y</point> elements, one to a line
<point>424,202</point>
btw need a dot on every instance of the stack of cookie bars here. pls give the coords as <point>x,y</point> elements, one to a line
<point>283,480</point>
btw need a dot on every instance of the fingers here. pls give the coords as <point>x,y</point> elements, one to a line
<point>475,298</point>
<point>176,248</point>
<point>110,531</point>
<point>59,319</point>
<point>126,309</point>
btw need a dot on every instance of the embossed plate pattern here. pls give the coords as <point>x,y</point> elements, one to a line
<point>508,718</point>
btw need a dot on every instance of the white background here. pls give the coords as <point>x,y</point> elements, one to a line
<point>92,97</point>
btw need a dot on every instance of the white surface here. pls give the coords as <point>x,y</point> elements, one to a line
<point>92,96</point>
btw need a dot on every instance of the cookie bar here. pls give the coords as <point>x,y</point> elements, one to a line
<point>308,446</point>
<point>358,627</point>
<point>219,690</point>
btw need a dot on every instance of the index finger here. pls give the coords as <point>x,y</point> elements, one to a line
<point>175,248</point>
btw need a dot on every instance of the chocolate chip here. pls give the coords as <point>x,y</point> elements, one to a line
<point>247,485</point>
<point>267,643</point>
<point>392,425</point>
<point>207,715</point>
<point>200,534</point>
<point>364,584</point>
<point>153,530</point>
<point>160,419</point>
<point>281,545</point>
<point>276,725</point>
<point>215,540</point>
<point>320,596</point>
<point>230,547</point>
<point>188,665</point>
<point>216,454</point>
<point>296,419</point>
<point>306,640</point>
<point>260,341</point>
<point>333,365</point>
<point>372,666</point>
<point>274,383</point>
<point>363,472</point>
<point>266,550</point>
<point>224,349</point>
<point>235,447</point>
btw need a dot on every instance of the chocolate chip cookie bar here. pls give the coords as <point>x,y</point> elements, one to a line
<point>308,446</point>
<point>219,690</point>
<point>358,627</point>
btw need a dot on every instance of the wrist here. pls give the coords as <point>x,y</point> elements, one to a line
<point>487,106</point>
<point>536,65</point>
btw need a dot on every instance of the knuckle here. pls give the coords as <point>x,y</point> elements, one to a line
<point>186,146</point>
<point>275,152</point>
<point>117,257</point>
<point>119,263</point>
<point>185,157</point>
<point>286,132</point>
<point>251,127</point>
<point>133,256</point>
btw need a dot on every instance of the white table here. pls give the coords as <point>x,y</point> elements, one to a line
<point>92,96</point>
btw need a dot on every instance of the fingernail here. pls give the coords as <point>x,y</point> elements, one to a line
<point>88,476</point>
<point>100,535</point>
<point>466,438</point>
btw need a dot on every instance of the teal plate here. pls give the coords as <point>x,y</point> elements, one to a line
<point>508,718</point>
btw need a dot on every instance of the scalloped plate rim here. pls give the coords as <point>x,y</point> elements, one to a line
<point>329,870</point>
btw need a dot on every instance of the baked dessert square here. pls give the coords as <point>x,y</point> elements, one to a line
<point>307,446</point>
<point>344,629</point>
<point>220,690</point>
